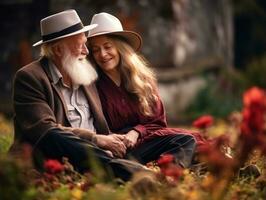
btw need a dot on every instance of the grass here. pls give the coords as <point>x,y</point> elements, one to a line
<point>20,181</point>
<point>6,134</point>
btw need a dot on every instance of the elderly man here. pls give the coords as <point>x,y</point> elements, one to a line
<point>57,108</point>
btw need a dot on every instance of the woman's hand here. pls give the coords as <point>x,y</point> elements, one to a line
<point>131,139</point>
<point>113,143</point>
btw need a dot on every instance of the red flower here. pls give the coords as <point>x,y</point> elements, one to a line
<point>254,101</point>
<point>253,133</point>
<point>53,166</point>
<point>168,166</point>
<point>165,160</point>
<point>203,121</point>
<point>212,154</point>
<point>252,125</point>
<point>253,121</point>
<point>172,170</point>
<point>254,96</point>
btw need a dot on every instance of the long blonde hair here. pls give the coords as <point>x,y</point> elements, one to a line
<point>138,77</point>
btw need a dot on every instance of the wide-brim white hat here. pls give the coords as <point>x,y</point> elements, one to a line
<point>61,25</point>
<point>109,24</point>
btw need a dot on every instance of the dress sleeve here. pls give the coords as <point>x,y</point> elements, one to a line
<point>149,124</point>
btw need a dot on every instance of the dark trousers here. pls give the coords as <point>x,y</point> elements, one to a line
<point>180,145</point>
<point>57,144</point>
<point>81,154</point>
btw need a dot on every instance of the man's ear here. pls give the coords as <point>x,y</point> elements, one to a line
<point>58,50</point>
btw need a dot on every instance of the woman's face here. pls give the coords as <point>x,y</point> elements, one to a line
<point>105,53</point>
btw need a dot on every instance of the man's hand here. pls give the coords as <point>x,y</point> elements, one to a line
<point>113,143</point>
<point>83,133</point>
<point>131,138</point>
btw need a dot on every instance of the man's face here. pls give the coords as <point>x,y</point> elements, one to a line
<point>74,61</point>
<point>76,45</point>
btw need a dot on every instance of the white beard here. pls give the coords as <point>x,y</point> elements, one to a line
<point>79,70</point>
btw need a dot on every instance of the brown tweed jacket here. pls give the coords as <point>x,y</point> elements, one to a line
<point>39,106</point>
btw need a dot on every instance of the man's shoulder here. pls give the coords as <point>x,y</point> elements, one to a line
<point>36,68</point>
<point>31,67</point>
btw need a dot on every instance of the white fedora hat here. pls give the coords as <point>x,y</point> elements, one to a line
<point>109,24</point>
<point>61,25</point>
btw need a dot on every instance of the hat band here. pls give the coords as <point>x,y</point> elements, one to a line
<point>65,31</point>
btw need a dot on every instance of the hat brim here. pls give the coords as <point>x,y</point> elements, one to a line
<point>84,29</point>
<point>133,38</point>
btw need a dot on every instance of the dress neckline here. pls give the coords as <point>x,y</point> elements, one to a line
<point>111,81</point>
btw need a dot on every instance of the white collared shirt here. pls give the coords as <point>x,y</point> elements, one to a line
<point>78,109</point>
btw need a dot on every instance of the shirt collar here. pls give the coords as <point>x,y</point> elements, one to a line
<point>57,76</point>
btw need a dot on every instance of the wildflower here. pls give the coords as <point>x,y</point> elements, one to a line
<point>76,194</point>
<point>172,170</point>
<point>212,153</point>
<point>203,122</point>
<point>252,126</point>
<point>53,166</point>
<point>49,177</point>
<point>254,101</point>
<point>168,166</point>
<point>254,96</point>
<point>165,159</point>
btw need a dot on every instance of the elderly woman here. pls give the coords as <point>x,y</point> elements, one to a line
<point>129,96</point>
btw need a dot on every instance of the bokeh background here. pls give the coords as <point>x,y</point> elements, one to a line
<point>205,52</point>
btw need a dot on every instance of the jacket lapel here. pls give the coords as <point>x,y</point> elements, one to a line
<point>45,65</point>
<point>96,109</point>
<point>92,97</point>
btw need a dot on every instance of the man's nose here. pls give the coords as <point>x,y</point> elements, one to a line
<point>85,49</point>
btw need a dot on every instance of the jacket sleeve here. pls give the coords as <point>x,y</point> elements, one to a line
<point>83,133</point>
<point>149,124</point>
<point>33,115</point>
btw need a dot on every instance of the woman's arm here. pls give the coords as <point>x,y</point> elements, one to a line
<point>151,123</point>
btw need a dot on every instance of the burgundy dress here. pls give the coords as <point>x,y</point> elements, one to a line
<point>122,113</point>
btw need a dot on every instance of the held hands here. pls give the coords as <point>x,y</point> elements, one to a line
<point>113,143</point>
<point>118,144</point>
<point>131,139</point>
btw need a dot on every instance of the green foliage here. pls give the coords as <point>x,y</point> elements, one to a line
<point>106,192</point>
<point>17,181</point>
<point>255,72</point>
<point>6,134</point>
<point>5,141</point>
<point>246,189</point>
<point>62,193</point>
<point>13,183</point>
<point>220,97</point>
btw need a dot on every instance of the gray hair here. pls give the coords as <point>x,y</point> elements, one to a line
<point>47,48</point>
